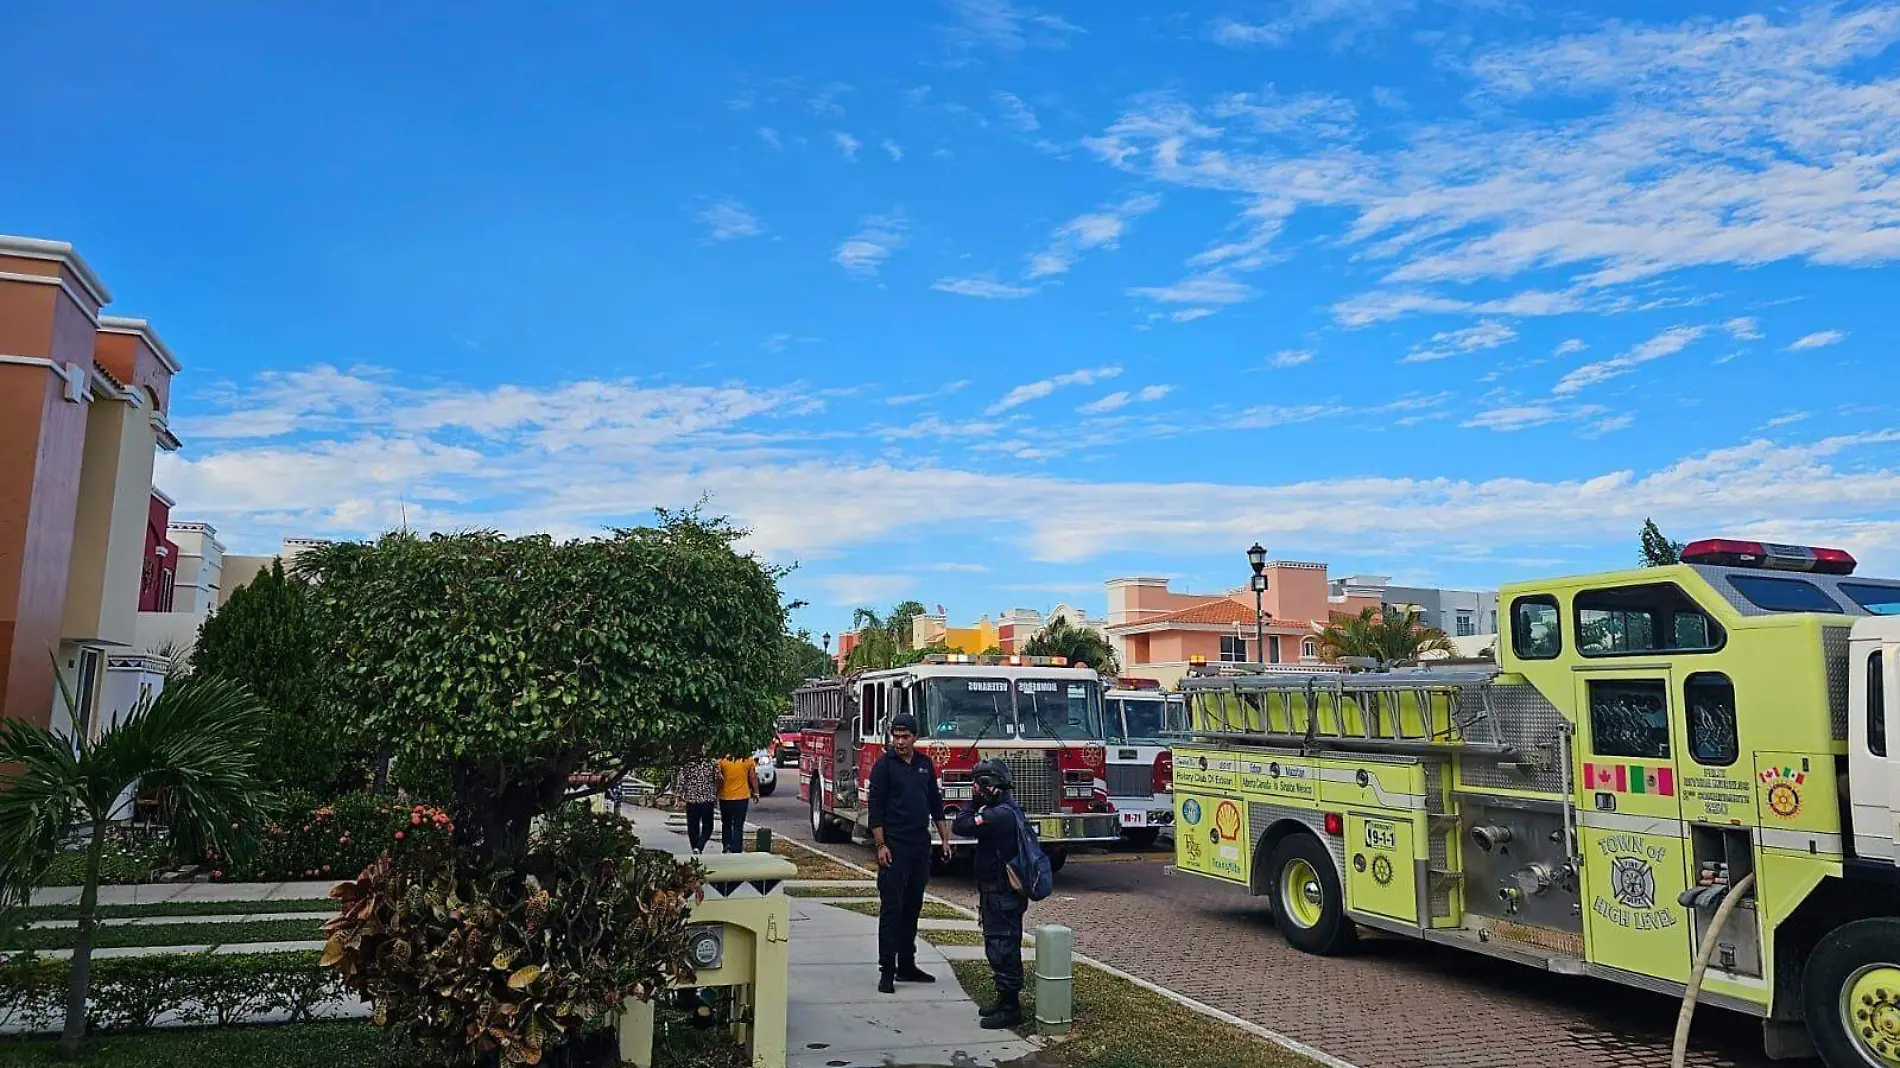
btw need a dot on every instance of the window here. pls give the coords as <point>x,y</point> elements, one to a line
<point>1494,622</point>
<point>1653,618</point>
<point>1708,700</point>
<point>1309,649</point>
<point>1629,719</point>
<point>1058,708</point>
<point>1273,649</point>
<point>1536,631</point>
<point>1146,719</point>
<point>1466,625</point>
<point>1877,703</point>
<point>1782,594</point>
<point>956,707</point>
<point>1233,650</point>
<point>1877,600</point>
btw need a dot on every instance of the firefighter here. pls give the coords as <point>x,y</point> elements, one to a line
<point>905,801</point>
<point>993,820</point>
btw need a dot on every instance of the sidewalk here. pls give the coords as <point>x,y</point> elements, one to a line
<point>837,1018</point>
<point>152,893</point>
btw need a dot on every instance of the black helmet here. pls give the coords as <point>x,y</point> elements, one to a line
<point>992,775</point>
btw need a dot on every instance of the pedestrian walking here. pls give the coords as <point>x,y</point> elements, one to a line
<point>905,801</point>
<point>994,819</point>
<point>697,784</point>
<point>738,788</point>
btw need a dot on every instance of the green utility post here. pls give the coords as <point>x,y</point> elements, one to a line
<point>762,840</point>
<point>1055,979</point>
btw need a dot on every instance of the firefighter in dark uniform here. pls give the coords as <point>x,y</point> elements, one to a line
<point>905,801</point>
<point>992,819</point>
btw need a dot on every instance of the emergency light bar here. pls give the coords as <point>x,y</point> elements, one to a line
<point>996,661</point>
<point>1126,683</point>
<point>1727,552</point>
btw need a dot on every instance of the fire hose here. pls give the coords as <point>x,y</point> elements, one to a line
<point>1699,897</point>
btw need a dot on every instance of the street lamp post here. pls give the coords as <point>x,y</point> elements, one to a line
<point>1257,559</point>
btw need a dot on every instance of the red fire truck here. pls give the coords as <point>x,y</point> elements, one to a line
<point>1035,714</point>
<point>1143,722</point>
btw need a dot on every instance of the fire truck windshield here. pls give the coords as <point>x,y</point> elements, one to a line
<point>1058,708</point>
<point>1146,719</point>
<point>968,708</point>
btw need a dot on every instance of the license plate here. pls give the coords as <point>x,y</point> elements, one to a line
<point>1134,819</point>
<point>1050,828</point>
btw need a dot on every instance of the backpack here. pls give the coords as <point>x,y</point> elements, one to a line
<point>1029,874</point>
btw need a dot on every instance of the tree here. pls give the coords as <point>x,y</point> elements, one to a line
<point>1659,551</point>
<point>194,746</point>
<point>883,641</point>
<point>266,637</point>
<point>515,662</point>
<point>1388,634</point>
<point>799,659</point>
<point>1081,646</point>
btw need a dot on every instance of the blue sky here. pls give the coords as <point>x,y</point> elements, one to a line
<point>983,302</point>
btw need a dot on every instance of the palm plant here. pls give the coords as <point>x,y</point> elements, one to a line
<point>1389,634</point>
<point>883,641</point>
<point>193,746</point>
<point>1081,646</point>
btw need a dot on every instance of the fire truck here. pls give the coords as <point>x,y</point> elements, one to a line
<point>1142,722</point>
<point>1035,714</point>
<point>1648,745</point>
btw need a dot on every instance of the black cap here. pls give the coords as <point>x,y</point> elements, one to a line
<point>904,721</point>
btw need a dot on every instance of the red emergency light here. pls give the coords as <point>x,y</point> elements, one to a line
<point>1163,778</point>
<point>1728,552</point>
<point>1127,683</point>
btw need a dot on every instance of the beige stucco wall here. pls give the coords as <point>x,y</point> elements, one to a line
<point>115,496</point>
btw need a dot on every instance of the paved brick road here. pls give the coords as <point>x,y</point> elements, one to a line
<point>1397,1003</point>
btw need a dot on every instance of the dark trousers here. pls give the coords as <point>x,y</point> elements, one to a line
<point>732,824</point>
<point>699,819</point>
<point>900,894</point>
<point>1000,912</point>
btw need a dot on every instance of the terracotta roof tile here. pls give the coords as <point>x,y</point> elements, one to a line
<point>1219,611</point>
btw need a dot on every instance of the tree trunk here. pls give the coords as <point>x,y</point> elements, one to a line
<point>81,966</point>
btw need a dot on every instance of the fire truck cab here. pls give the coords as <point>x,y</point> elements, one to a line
<point>1035,714</point>
<point>1143,721</point>
<point>1648,743</point>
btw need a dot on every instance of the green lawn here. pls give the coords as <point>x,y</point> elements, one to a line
<point>1121,1025</point>
<point>352,1044</point>
<point>959,938</point>
<point>185,908</point>
<point>813,865</point>
<point>174,934</point>
<point>932,910</point>
<point>860,890</point>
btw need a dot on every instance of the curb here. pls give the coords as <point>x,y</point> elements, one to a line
<point>1285,1042</point>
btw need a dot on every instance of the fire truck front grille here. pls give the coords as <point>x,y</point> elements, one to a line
<point>1130,780</point>
<point>1038,787</point>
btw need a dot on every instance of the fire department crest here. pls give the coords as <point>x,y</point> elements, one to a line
<point>1633,882</point>
<point>939,754</point>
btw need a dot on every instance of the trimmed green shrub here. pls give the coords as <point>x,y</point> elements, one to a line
<point>317,839</point>
<point>131,993</point>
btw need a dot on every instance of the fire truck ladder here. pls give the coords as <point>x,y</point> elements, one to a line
<point>1413,711</point>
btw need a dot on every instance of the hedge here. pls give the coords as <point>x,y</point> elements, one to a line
<point>131,993</point>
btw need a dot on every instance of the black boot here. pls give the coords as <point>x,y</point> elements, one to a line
<point>885,985</point>
<point>911,973</point>
<point>1007,1013</point>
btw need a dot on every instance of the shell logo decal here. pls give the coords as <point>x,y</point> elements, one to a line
<point>1227,821</point>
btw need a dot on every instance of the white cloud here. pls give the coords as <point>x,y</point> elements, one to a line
<point>1188,315</point>
<point>1383,305</point>
<point>728,219</point>
<point>1015,114</point>
<point>1488,334</point>
<point>1006,26</point>
<point>893,149</point>
<point>360,448</point>
<point>1096,229</point>
<point>1820,339</point>
<point>824,103</point>
<point>1037,390</point>
<point>1153,393</point>
<point>1569,346</point>
<point>1198,289</point>
<point>957,568</point>
<point>847,145</point>
<point>1744,328</point>
<point>770,137</point>
<point>1611,156</point>
<point>984,287</point>
<point>852,590</point>
<point>1347,20</point>
<point>1786,419</point>
<point>1667,343</point>
<point>1123,398</point>
<point>1517,417</point>
<point>878,236</point>
<point>1290,358</point>
<point>944,390</point>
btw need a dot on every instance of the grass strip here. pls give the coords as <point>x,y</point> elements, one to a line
<point>958,938</point>
<point>860,890</point>
<point>185,908</point>
<point>932,910</point>
<point>813,865</point>
<point>1121,1025</point>
<point>124,936</point>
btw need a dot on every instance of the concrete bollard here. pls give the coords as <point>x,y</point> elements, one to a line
<point>1055,979</point>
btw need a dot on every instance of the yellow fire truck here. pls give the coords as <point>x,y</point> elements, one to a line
<point>1647,744</point>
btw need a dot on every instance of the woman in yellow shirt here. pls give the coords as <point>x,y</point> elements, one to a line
<point>738,788</point>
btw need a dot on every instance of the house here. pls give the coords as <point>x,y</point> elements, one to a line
<point>84,399</point>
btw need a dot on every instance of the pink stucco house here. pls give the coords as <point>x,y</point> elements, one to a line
<point>1157,632</point>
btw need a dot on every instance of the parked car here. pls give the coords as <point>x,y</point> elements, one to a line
<point>768,775</point>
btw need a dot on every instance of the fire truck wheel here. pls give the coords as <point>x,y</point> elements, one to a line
<point>824,829</point>
<point>1057,858</point>
<point>1142,837</point>
<point>1308,906</point>
<point>766,788</point>
<point>1851,994</point>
